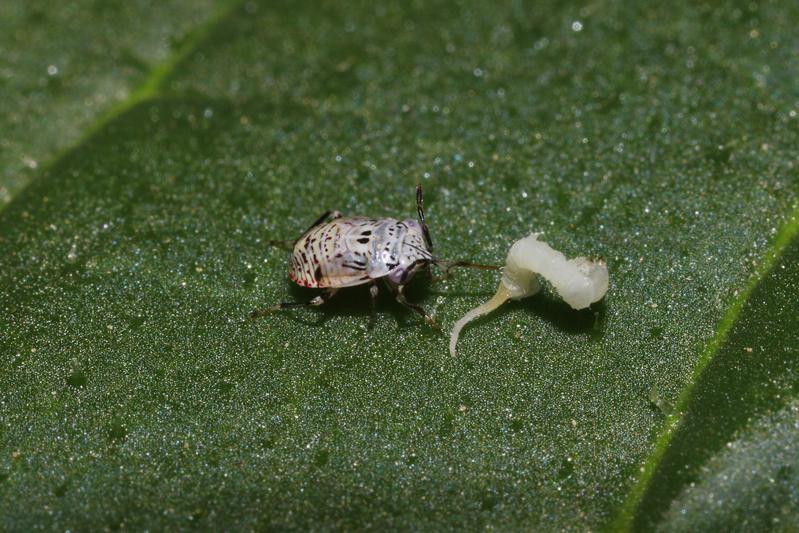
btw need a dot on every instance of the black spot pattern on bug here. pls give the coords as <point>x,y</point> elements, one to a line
<point>349,251</point>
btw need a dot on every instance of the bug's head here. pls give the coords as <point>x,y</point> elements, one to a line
<point>408,268</point>
<point>420,212</point>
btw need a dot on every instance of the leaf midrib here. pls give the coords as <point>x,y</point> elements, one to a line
<point>625,518</point>
<point>150,88</point>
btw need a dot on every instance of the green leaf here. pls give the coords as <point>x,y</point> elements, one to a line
<point>138,393</point>
<point>731,463</point>
<point>66,68</point>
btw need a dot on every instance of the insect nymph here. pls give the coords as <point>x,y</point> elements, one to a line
<point>338,252</point>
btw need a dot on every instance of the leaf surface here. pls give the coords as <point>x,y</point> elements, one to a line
<point>138,392</point>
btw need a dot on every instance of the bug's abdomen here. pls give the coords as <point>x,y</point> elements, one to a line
<point>333,254</point>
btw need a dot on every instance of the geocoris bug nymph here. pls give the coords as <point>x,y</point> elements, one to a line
<point>338,251</point>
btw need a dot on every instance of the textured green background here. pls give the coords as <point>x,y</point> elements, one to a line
<point>135,392</point>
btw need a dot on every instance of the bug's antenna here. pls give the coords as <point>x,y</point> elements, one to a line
<point>420,211</point>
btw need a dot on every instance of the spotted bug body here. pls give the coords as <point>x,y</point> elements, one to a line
<point>337,252</point>
<point>348,251</point>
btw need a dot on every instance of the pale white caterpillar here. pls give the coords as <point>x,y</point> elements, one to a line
<point>580,281</point>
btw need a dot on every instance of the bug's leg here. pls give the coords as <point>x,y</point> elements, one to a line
<point>332,215</point>
<point>289,244</point>
<point>286,245</point>
<point>313,302</point>
<point>418,309</point>
<point>372,304</point>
